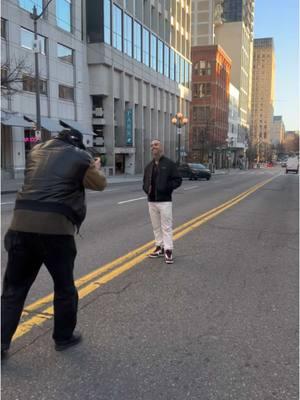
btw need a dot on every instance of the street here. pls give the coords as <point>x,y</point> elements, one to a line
<point>220,323</point>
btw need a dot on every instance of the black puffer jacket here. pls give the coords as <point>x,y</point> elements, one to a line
<point>167,180</point>
<point>53,180</point>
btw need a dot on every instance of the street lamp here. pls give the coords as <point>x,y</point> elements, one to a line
<point>179,120</point>
<point>36,48</point>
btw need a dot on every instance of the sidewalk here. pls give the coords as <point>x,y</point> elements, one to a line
<point>13,185</point>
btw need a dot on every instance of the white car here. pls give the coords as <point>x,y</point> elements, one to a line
<point>292,165</point>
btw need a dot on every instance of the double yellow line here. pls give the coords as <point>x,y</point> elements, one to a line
<point>99,277</point>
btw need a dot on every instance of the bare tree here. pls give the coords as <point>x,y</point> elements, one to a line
<point>13,73</point>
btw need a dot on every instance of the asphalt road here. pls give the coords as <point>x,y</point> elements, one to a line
<point>220,323</point>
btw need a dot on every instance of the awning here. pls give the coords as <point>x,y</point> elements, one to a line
<point>49,124</point>
<point>76,125</point>
<point>11,119</point>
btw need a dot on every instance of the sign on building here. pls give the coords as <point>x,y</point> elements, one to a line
<point>128,127</point>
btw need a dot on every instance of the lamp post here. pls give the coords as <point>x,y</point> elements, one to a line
<point>179,120</point>
<point>36,48</point>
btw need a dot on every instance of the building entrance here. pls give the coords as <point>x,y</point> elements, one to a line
<point>119,163</point>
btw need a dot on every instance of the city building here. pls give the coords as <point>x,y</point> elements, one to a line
<point>262,93</point>
<point>235,36</point>
<point>210,104</point>
<point>117,71</point>
<point>277,135</point>
<point>229,24</point>
<point>64,89</point>
<point>139,73</point>
<point>291,142</point>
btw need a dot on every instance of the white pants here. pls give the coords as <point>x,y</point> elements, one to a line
<point>162,221</point>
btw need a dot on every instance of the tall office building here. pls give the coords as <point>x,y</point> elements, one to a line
<point>263,93</point>
<point>277,131</point>
<point>139,73</point>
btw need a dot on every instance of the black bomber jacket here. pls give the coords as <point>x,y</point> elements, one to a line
<point>167,180</point>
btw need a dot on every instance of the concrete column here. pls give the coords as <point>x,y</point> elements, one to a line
<point>18,152</point>
<point>147,125</point>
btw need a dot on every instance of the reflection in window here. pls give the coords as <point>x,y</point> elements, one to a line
<point>177,64</point>
<point>166,61</point>
<point>117,27</point>
<point>65,92</point>
<point>107,21</point>
<point>29,84</point>
<point>27,38</point>
<point>137,49</point>
<point>128,35</point>
<point>64,14</point>
<point>172,65</point>
<point>187,75</point>
<point>3,28</point>
<point>182,72</point>
<point>160,56</point>
<point>153,52</point>
<point>201,89</point>
<point>146,46</point>
<point>202,68</point>
<point>64,53</point>
<point>28,5</point>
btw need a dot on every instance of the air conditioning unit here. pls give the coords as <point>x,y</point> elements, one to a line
<point>98,112</point>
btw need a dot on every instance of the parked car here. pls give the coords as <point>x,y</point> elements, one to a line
<point>292,165</point>
<point>194,171</point>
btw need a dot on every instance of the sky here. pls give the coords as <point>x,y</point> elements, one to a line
<point>280,20</point>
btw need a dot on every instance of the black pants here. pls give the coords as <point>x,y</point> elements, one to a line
<point>26,254</point>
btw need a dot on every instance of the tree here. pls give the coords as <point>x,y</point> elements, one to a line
<point>13,73</point>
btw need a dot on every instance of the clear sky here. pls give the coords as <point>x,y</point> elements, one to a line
<point>280,20</point>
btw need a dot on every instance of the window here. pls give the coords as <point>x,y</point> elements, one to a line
<point>28,5</point>
<point>146,45</point>
<point>117,27</point>
<point>3,28</point>
<point>64,53</point>
<point>128,35</point>
<point>182,71</point>
<point>64,14</point>
<point>153,52</point>
<point>107,21</point>
<point>202,68</point>
<point>187,74</point>
<point>137,49</point>
<point>4,77</point>
<point>177,70</point>
<point>201,113</point>
<point>65,92</point>
<point>201,89</point>
<point>172,65</point>
<point>166,61</point>
<point>27,38</point>
<point>29,84</point>
<point>160,57</point>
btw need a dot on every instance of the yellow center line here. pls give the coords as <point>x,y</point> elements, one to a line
<point>92,286</point>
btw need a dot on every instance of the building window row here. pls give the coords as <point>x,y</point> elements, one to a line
<point>201,90</point>
<point>202,68</point>
<point>64,92</point>
<point>63,11</point>
<point>127,35</point>
<point>64,53</point>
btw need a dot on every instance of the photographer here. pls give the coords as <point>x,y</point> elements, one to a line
<point>50,205</point>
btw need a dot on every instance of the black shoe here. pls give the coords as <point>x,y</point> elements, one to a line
<point>61,345</point>
<point>168,257</point>
<point>158,252</point>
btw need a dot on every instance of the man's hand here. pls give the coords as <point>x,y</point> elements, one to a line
<point>97,162</point>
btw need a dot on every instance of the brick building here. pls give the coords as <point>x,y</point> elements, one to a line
<point>209,107</point>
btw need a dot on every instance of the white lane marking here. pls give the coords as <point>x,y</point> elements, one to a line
<point>8,202</point>
<point>129,201</point>
<point>190,187</point>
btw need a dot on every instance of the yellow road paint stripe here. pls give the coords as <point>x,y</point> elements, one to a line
<point>47,314</point>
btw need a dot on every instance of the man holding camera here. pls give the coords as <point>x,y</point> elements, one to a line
<point>49,208</point>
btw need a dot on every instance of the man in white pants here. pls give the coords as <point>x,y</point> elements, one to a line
<point>161,177</point>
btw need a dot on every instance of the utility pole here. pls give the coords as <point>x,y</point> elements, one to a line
<point>36,48</point>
